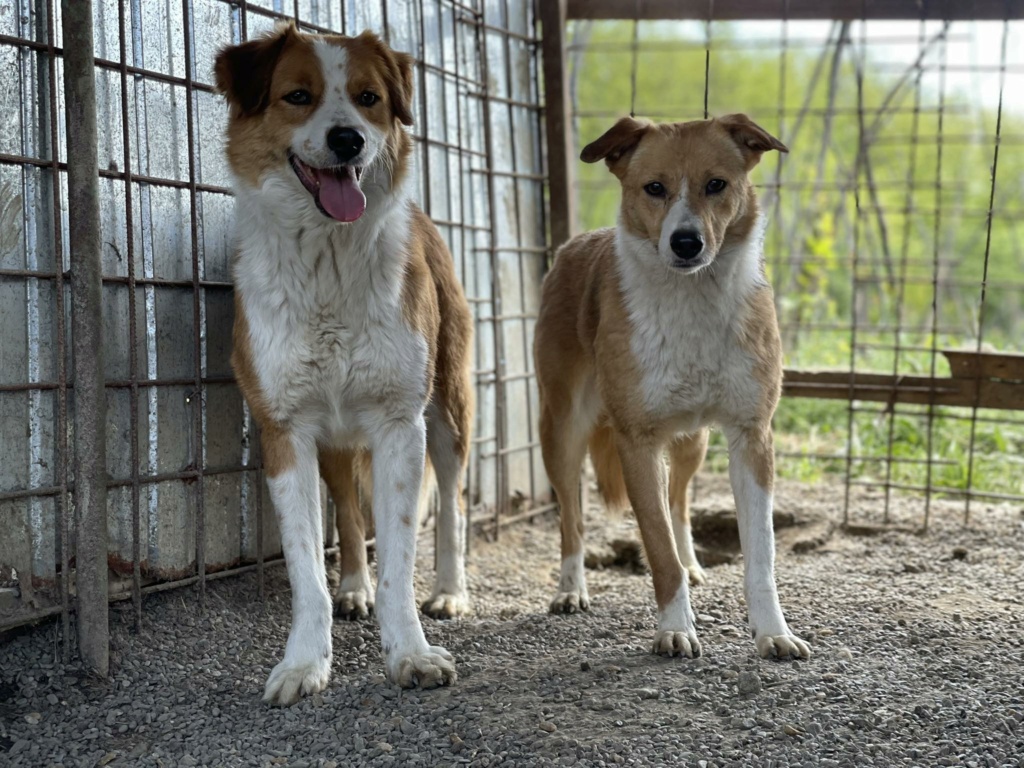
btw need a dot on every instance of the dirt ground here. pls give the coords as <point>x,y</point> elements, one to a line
<point>918,660</point>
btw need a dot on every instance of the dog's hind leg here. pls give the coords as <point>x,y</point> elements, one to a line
<point>685,455</point>
<point>564,446</point>
<point>448,447</point>
<point>354,597</point>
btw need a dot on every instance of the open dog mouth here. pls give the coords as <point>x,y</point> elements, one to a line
<point>335,190</point>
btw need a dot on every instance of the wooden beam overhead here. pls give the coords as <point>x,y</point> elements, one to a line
<point>765,10</point>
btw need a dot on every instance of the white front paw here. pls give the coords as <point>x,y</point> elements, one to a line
<point>698,577</point>
<point>354,605</point>
<point>292,679</point>
<point>781,646</point>
<point>426,669</point>
<point>445,605</point>
<point>571,601</point>
<point>677,642</point>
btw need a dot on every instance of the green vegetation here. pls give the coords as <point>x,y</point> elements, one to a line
<point>867,214</point>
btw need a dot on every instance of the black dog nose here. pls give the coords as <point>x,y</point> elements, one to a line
<point>346,143</point>
<point>686,244</point>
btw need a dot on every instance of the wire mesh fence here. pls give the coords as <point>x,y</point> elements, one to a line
<point>894,220</point>
<point>186,501</point>
<point>892,243</point>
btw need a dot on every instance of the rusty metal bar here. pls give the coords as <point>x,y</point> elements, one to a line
<point>63,507</point>
<point>87,338</point>
<point>500,475</point>
<point>133,354</point>
<point>557,122</point>
<point>199,395</point>
<point>984,274</point>
<point>735,10</point>
<point>862,142</point>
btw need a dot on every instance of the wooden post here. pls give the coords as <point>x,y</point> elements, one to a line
<point>557,122</point>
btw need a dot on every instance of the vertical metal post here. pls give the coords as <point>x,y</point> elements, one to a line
<point>557,121</point>
<point>87,331</point>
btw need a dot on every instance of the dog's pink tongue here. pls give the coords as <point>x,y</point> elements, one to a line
<point>340,195</point>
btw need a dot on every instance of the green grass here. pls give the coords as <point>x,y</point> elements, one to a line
<point>818,430</point>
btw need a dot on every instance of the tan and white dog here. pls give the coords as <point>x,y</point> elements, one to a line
<point>649,333</point>
<point>351,333</point>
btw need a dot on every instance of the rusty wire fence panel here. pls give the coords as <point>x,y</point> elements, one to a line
<point>186,498</point>
<point>894,233</point>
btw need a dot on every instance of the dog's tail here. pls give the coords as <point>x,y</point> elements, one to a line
<point>608,468</point>
<point>364,482</point>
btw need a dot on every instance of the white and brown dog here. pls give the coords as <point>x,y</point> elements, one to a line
<point>650,332</point>
<point>351,333</point>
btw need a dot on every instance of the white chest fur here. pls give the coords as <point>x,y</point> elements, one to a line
<point>323,303</point>
<point>686,335</point>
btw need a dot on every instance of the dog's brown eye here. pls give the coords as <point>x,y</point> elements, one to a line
<point>715,186</point>
<point>299,98</point>
<point>655,189</point>
<point>368,98</point>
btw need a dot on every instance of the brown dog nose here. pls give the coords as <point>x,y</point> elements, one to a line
<point>686,244</point>
<point>346,143</point>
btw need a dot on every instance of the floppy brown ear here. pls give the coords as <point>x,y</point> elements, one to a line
<point>398,66</point>
<point>618,140</point>
<point>243,72</point>
<point>751,137</point>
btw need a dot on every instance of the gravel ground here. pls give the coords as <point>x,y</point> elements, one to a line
<point>918,660</point>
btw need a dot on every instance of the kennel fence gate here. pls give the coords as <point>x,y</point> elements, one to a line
<point>186,502</point>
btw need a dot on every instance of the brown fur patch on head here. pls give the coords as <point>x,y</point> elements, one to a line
<point>751,138</point>
<point>243,72</point>
<point>375,66</point>
<point>615,145</point>
<point>680,160</point>
<point>255,77</point>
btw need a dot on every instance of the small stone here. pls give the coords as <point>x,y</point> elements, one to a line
<point>748,724</point>
<point>358,743</point>
<point>383,746</point>
<point>957,618</point>
<point>792,730</point>
<point>845,654</point>
<point>649,693</point>
<point>548,727</point>
<point>33,718</point>
<point>959,553</point>
<point>584,666</point>
<point>316,700</point>
<point>748,682</point>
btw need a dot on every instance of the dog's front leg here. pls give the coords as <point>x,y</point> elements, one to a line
<point>647,485</point>
<point>398,449</point>
<point>291,464</point>
<point>751,472</point>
